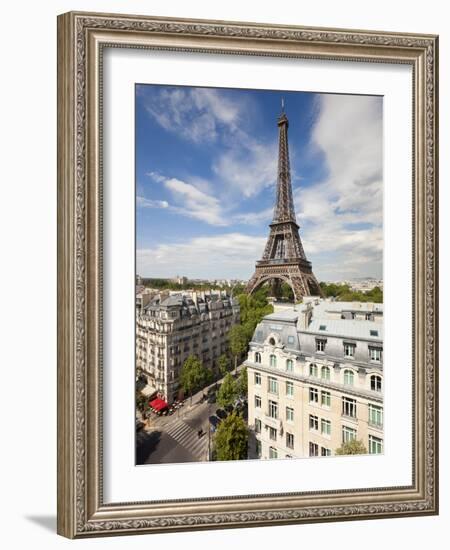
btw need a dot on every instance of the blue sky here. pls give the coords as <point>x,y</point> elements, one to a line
<point>206,162</point>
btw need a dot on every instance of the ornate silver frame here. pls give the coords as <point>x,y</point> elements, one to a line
<point>81,510</point>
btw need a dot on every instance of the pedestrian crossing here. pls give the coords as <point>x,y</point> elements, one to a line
<point>187,437</point>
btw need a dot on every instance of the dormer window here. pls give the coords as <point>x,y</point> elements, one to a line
<point>320,345</point>
<point>272,341</point>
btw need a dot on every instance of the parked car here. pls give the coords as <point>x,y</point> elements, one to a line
<point>220,413</point>
<point>214,421</point>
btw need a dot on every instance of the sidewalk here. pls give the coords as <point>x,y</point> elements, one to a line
<point>197,397</point>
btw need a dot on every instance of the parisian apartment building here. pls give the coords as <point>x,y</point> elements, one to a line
<point>315,379</point>
<point>171,326</point>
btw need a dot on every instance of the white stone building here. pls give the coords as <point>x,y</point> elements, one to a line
<point>315,379</point>
<point>169,328</point>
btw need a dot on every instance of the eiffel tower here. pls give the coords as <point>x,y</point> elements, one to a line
<point>284,258</point>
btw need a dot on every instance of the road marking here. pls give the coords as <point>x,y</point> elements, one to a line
<point>187,437</point>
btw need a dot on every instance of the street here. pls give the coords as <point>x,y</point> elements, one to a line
<point>175,438</point>
<point>171,439</point>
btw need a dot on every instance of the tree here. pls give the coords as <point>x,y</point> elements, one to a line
<point>242,383</point>
<point>286,292</point>
<point>228,392</point>
<point>141,402</point>
<point>238,342</point>
<point>193,375</point>
<point>231,438</point>
<point>224,364</point>
<point>352,447</point>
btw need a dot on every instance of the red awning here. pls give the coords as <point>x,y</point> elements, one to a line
<point>158,404</point>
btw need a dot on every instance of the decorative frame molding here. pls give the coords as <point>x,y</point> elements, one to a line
<point>81,37</point>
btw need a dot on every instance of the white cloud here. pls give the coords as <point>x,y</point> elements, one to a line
<point>148,203</point>
<point>343,214</point>
<point>195,114</point>
<point>228,255</point>
<point>194,203</point>
<point>244,165</point>
<point>247,166</point>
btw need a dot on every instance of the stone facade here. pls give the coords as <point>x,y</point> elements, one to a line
<point>170,328</point>
<point>315,379</point>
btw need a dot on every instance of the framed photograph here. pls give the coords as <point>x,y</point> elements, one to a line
<point>247,282</point>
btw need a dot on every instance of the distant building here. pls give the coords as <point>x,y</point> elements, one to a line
<point>315,379</point>
<point>169,328</point>
<point>363,284</point>
<point>180,280</point>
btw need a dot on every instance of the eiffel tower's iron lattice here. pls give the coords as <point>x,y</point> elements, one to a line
<point>284,259</point>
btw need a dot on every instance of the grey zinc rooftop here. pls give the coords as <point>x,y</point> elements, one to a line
<point>367,330</point>
<point>285,315</point>
<point>328,305</point>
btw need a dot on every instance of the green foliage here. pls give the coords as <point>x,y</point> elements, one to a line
<point>142,403</point>
<point>194,375</point>
<point>167,284</point>
<point>242,383</point>
<point>228,392</point>
<point>252,310</point>
<point>231,438</point>
<point>238,340</point>
<point>343,293</point>
<point>224,364</point>
<point>353,447</point>
<point>286,292</point>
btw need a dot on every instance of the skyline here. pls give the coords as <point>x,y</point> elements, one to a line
<point>206,164</point>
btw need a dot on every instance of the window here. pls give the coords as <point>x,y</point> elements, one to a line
<point>325,373</point>
<point>273,361</point>
<point>273,385</point>
<point>348,377</point>
<point>374,333</point>
<point>272,434</point>
<point>257,402</point>
<point>375,445</point>
<point>326,399</point>
<point>313,370</point>
<point>325,426</point>
<point>375,415</point>
<point>257,425</point>
<point>313,395</point>
<point>289,414</point>
<point>258,448</point>
<point>348,434</point>
<point>325,452</point>
<point>375,354</point>
<point>289,365</point>
<point>349,407</point>
<point>323,327</point>
<point>375,383</point>
<point>258,378</point>
<point>289,440</point>
<point>257,357</point>
<point>313,422</point>
<point>273,409</point>
<point>320,345</point>
<point>313,449</point>
<point>290,340</point>
<point>273,453</point>
<point>290,389</point>
<point>272,341</point>
<point>349,350</point>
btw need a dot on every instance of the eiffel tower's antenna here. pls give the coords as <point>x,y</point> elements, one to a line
<point>282,104</point>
